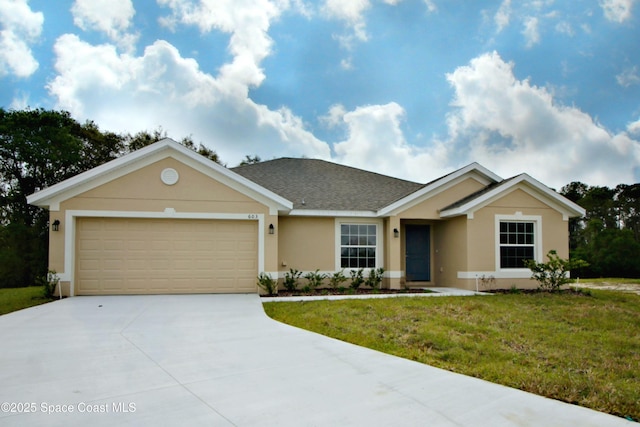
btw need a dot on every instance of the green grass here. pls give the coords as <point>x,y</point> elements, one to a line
<point>579,349</point>
<point>13,299</point>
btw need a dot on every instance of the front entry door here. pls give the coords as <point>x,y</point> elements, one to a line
<point>418,252</point>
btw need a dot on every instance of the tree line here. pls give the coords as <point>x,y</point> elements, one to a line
<point>608,236</point>
<point>39,148</point>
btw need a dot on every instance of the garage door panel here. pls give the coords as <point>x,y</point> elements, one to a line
<point>136,256</point>
<point>113,284</point>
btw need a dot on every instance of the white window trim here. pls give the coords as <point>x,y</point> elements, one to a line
<point>537,241</point>
<point>379,243</point>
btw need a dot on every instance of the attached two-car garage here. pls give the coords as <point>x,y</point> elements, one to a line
<point>161,220</point>
<point>163,256</point>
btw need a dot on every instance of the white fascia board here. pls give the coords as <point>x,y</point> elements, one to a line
<point>550,197</point>
<point>482,175</point>
<point>52,196</point>
<point>330,213</point>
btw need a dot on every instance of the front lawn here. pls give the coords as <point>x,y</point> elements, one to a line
<point>12,299</point>
<point>575,348</point>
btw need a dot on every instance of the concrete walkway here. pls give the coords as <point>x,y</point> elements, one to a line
<point>218,360</point>
<point>434,292</point>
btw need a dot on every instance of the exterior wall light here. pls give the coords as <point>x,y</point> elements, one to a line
<point>396,233</point>
<point>272,229</point>
<point>56,225</point>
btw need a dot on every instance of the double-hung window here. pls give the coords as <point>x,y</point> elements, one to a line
<point>358,245</point>
<point>517,243</point>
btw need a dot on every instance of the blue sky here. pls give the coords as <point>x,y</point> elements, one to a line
<point>408,88</point>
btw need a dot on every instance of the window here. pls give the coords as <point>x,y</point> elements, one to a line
<point>517,243</point>
<point>358,245</point>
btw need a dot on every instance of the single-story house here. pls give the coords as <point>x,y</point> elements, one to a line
<point>165,219</point>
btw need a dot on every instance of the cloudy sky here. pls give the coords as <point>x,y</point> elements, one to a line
<point>408,88</point>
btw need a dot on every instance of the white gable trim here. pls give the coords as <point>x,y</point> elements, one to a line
<point>474,170</point>
<point>52,197</point>
<point>522,182</point>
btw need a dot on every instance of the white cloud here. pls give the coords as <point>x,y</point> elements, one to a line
<point>628,77</point>
<point>248,24</point>
<point>335,116</point>
<point>113,18</point>
<point>375,142</point>
<point>350,11</point>
<point>352,14</point>
<point>511,126</point>
<point>503,15</point>
<point>20,101</point>
<point>530,31</point>
<point>617,10</point>
<point>565,27</point>
<point>431,6</point>
<point>127,93</point>
<point>634,127</point>
<point>20,27</point>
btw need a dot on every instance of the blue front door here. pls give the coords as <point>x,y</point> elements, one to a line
<point>418,252</point>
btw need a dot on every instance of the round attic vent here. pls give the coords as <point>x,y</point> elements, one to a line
<point>169,176</point>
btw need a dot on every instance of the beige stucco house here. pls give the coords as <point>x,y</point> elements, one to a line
<point>164,219</point>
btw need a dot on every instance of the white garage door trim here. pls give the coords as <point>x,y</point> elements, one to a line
<point>70,231</point>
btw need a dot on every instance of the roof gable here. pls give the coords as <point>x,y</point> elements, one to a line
<point>474,170</point>
<point>533,187</point>
<point>51,197</point>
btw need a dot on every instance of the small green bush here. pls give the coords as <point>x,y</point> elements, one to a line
<point>553,274</point>
<point>315,279</point>
<point>357,278</point>
<point>375,278</point>
<point>268,284</point>
<point>337,279</point>
<point>290,282</point>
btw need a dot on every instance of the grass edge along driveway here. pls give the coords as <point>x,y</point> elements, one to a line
<point>575,348</point>
<point>13,299</point>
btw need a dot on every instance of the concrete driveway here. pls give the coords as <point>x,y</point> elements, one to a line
<point>219,360</point>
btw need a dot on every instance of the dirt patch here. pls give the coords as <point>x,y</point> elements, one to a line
<point>610,286</point>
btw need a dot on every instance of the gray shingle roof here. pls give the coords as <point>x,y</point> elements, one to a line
<point>324,185</point>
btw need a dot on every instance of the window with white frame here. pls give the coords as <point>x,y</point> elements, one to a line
<point>517,243</point>
<point>358,245</point>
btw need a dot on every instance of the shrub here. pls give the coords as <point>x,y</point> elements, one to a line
<point>357,278</point>
<point>487,282</point>
<point>291,279</point>
<point>315,279</point>
<point>337,279</point>
<point>49,282</point>
<point>375,278</point>
<point>268,284</point>
<point>553,274</point>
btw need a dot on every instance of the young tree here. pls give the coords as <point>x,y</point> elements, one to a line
<point>553,274</point>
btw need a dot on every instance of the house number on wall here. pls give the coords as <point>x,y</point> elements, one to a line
<point>253,216</point>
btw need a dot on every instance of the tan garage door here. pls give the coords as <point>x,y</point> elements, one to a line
<point>160,256</point>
